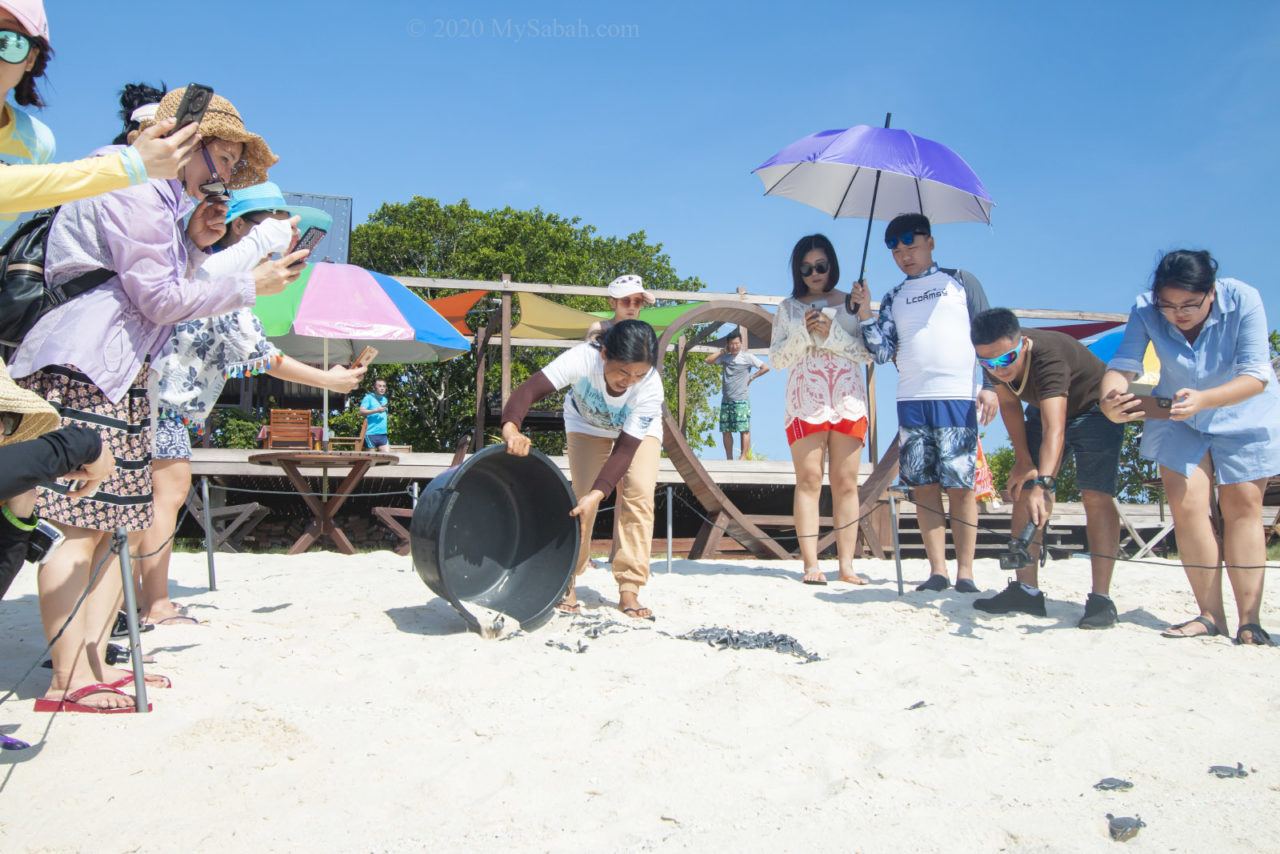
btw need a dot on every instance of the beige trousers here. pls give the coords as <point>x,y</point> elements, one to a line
<point>633,505</point>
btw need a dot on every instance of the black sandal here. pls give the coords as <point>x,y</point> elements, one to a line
<point>1257,636</point>
<point>1210,630</point>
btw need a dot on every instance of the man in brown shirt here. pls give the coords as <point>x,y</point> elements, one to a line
<point>1059,379</point>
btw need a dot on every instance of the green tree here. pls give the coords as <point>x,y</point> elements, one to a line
<point>432,405</point>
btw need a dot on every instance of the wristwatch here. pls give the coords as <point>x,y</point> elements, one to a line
<point>1048,481</point>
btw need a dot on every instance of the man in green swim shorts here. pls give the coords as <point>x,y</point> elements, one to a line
<point>735,405</point>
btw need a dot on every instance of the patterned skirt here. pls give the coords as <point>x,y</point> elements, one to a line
<point>124,498</point>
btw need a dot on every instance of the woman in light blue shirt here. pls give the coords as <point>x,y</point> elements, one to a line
<point>1210,335</point>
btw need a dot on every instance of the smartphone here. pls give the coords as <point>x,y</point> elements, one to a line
<point>365,358</point>
<point>1155,407</point>
<point>195,100</point>
<point>308,242</point>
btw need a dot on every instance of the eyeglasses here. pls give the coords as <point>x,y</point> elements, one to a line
<point>1187,309</point>
<point>10,421</point>
<point>633,301</point>
<point>905,240</point>
<point>14,47</point>
<point>215,189</point>
<point>807,270</point>
<point>1004,360</point>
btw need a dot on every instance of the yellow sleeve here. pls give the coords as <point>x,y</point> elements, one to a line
<point>35,187</point>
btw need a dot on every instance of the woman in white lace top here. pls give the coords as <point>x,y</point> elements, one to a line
<point>820,344</point>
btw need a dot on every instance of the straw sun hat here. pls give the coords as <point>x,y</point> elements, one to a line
<point>222,121</point>
<point>38,417</point>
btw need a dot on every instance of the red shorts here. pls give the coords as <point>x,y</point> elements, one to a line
<point>798,429</point>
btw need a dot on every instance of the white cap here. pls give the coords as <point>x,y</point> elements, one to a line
<point>625,286</point>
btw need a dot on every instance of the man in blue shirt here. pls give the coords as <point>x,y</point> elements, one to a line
<point>374,410</point>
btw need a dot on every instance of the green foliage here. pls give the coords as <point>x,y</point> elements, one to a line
<point>1134,469</point>
<point>1274,340</point>
<point>433,405</point>
<point>233,428</point>
<point>1002,460</point>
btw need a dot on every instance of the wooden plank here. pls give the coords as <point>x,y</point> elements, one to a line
<point>482,338</point>
<point>506,344</point>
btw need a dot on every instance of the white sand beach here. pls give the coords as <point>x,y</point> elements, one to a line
<point>335,704</point>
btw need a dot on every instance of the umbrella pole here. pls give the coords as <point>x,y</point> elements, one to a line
<point>862,274</point>
<point>324,429</point>
<point>871,214</point>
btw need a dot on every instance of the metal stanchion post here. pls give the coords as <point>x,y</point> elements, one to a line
<point>897,553</point>
<point>669,528</point>
<point>413,493</point>
<point>131,618</point>
<point>208,530</point>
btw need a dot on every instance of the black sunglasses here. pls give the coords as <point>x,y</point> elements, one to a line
<point>215,189</point>
<point>807,270</point>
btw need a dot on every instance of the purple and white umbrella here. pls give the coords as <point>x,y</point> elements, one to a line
<point>877,173</point>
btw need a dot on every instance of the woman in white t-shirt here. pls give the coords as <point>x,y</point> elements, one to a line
<point>613,423</point>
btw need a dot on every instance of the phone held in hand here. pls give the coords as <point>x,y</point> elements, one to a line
<point>308,242</point>
<point>1155,407</point>
<point>366,357</point>
<point>192,107</point>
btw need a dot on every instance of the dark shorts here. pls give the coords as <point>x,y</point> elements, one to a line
<point>1093,439</point>
<point>735,416</point>
<point>375,440</point>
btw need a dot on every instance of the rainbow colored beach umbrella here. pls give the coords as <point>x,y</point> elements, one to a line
<point>333,311</point>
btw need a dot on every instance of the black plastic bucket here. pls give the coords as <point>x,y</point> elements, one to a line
<point>494,534</point>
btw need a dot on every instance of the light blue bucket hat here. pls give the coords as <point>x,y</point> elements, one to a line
<point>267,197</point>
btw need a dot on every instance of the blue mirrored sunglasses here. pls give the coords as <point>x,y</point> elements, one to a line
<point>1004,360</point>
<point>14,47</point>
<point>905,240</point>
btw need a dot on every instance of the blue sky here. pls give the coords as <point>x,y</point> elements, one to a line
<point>1107,133</point>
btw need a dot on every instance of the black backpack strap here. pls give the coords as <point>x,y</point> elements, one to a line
<point>73,288</point>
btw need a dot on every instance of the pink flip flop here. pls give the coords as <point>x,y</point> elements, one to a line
<point>157,679</point>
<point>71,703</point>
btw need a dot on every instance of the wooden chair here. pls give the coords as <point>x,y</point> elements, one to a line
<point>290,428</point>
<point>349,443</point>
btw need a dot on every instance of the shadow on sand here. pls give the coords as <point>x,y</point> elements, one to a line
<point>436,618</point>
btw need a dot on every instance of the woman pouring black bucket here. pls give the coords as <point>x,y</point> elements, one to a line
<point>613,423</point>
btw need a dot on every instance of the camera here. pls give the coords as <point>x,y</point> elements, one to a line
<point>1017,556</point>
<point>42,542</point>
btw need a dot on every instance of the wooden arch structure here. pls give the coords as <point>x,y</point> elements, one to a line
<point>724,515</point>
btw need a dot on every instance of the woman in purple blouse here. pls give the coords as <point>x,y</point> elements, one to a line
<point>89,359</point>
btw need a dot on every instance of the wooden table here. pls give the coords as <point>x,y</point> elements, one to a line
<point>291,462</point>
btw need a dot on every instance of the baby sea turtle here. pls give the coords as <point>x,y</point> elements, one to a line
<point>1113,784</point>
<point>1124,828</point>
<point>1224,772</point>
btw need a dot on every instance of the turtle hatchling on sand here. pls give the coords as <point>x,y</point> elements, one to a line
<point>1113,784</point>
<point>1224,772</point>
<point>1124,828</point>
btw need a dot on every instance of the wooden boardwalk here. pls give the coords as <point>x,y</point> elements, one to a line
<point>756,483</point>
